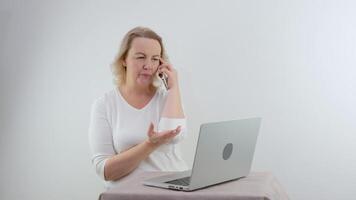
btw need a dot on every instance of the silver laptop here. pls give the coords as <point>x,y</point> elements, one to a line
<point>224,152</point>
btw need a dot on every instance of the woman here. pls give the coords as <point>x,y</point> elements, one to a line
<point>139,124</point>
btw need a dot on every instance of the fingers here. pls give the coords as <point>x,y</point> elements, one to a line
<point>165,64</point>
<point>166,71</point>
<point>171,133</point>
<point>167,137</point>
<point>163,61</point>
<point>179,128</point>
<point>164,136</point>
<point>151,130</point>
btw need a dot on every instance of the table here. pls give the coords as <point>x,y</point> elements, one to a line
<point>256,186</point>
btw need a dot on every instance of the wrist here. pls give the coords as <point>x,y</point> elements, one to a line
<point>151,145</point>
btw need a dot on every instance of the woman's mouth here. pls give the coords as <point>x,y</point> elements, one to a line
<point>146,75</point>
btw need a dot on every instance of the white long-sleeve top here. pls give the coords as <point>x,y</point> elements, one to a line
<point>115,126</point>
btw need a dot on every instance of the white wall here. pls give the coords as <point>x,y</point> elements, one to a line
<point>290,62</point>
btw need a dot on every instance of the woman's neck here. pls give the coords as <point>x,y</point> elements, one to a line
<point>136,90</point>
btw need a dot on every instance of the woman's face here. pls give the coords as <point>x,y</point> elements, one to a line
<point>142,61</point>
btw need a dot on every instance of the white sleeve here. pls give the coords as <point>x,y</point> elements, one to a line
<point>100,137</point>
<point>172,123</point>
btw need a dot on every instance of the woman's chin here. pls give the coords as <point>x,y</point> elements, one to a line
<point>144,83</point>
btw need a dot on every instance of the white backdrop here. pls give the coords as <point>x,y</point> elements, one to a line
<point>290,62</point>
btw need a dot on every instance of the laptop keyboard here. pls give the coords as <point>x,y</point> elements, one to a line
<point>182,181</point>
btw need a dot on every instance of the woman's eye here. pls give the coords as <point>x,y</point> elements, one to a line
<point>140,57</point>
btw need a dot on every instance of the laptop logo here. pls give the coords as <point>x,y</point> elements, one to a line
<point>227,151</point>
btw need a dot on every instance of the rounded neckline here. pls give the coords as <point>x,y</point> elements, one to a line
<point>118,92</point>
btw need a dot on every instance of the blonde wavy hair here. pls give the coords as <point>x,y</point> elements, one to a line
<point>118,69</point>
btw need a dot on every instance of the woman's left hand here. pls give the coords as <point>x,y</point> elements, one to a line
<point>167,68</point>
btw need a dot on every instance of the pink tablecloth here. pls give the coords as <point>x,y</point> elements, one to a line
<point>256,186</point>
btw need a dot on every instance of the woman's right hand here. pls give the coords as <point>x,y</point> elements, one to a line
<point>159,138</point>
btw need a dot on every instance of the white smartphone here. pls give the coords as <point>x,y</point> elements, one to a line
<point>164,78</point>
